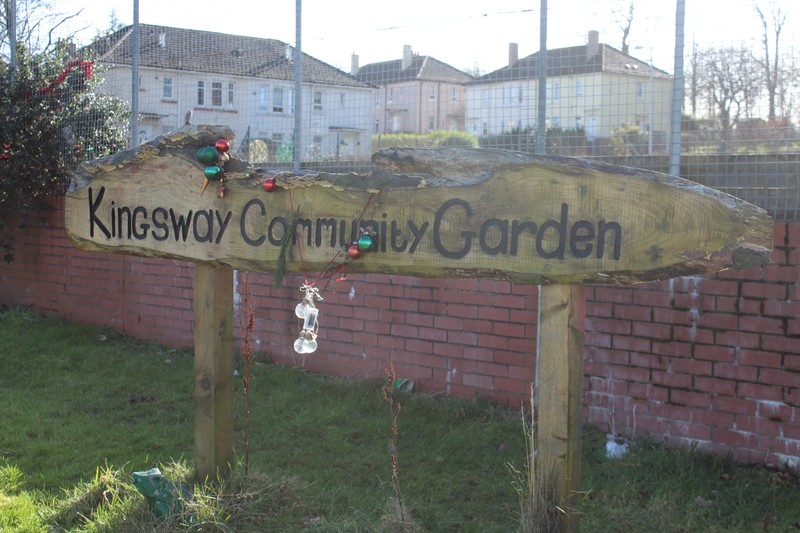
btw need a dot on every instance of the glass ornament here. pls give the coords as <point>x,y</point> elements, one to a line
<point>366,243</point>
<point>269,184</point>
<point>208,155</point>
<point>309,345</point>
<point>213,172</point>
<point>298,345</point>
<point>353,252</point>
<point>222,145</point>
<point>310,320</point>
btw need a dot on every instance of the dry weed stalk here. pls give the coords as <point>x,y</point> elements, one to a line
<point>388,392</point>
<point>537,487</point>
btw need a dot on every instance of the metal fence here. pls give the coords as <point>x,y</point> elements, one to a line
<point>710,91</point>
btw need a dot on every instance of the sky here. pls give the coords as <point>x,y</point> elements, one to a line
<point>466,34</point>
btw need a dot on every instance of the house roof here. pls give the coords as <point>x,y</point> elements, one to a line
<point>421,68</point>
<point>573,60</point>
<point>216,53</point>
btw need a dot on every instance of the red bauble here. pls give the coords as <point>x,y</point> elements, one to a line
<point>223,145</point>
<point>269,184</point>
<point>353,252</point>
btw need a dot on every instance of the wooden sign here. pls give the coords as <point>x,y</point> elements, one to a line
<point>434,213</point>
<point>451,213</point>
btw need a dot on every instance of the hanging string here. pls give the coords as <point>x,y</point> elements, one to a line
<point>329,272</point>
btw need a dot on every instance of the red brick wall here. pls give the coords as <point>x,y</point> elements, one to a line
<point>713,361</point>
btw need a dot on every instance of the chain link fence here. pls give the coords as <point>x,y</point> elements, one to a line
<point>710,92</point>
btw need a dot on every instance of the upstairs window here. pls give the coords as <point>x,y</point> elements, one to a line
<point>201,92</point>
<point>167,91</point>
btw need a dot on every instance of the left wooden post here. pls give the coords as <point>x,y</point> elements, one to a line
<point>213,371</point>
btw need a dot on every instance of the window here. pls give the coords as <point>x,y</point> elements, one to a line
<point>277,137</point>
<point>432,92</point>
<point>317,100</point>
<point>390,97</point>
<point>262,99</point>
<point>454,95</point>
<point>378,98</point>
<point>557,91</point>
<point>578,87</point>
<point>168,88</point>
<point>342,99</point>
<point>431,123</point>
<point>377,126</point>
<point>230,94</point>
<point>201,93</point>
<point>514,95</point>
<point>640,90</point>
<point>277,100</point>
<point>216,93</point>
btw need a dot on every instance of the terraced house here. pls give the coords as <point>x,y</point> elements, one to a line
<point>244,82</point>
<point>593,88</point>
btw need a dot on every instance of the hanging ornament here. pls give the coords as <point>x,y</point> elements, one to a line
<point>214,157</point>
<point>353,251</point>
<point>269,184</point>
<point>367,242</point>
<point>213,172</point>
<point>307,340</point>
<point>208,155</point>
<point>222,145</point>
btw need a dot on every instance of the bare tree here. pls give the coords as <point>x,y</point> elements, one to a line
<point>625,21</point>
<point>693,79</point>
<point>732,81</point>
<point>771,61</point>
<point>38,24</point>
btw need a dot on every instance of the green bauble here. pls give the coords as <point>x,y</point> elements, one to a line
<point>208,155</point>
<point>213,173</point>
<point>366,243</point>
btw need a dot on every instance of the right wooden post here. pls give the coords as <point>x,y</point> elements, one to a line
<point>559,397</point>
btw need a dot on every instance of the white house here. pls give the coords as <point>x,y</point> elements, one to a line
<point>594,88</point>
<point>246,83</point>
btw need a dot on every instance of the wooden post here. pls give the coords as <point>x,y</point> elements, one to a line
<point>559,396</point>
<point>213,371</point>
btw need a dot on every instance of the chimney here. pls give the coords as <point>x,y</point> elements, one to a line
<point>407,55</point>
<point>513,54</point>
<point>593,46</point>
<point>354,65</point>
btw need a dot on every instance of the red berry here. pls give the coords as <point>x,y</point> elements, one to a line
<point>353,252</point>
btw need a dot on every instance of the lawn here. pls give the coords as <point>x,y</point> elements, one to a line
<point>82,408</point>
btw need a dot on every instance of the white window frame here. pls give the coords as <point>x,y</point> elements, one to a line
<point>168,90</point>
<point>201,92</point>
<point>216,93</point>
<point>278,105</point>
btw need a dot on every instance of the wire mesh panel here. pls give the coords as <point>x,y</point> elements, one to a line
<point>633,82</point>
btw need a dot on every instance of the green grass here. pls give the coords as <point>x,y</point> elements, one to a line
<point>81,408</point>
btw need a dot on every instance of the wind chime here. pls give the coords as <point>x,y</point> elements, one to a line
<point>214,159</point>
